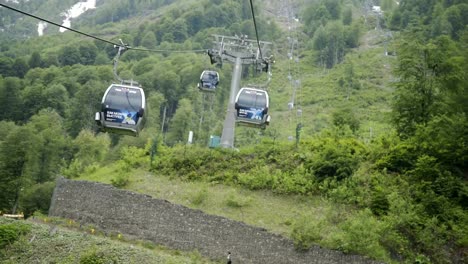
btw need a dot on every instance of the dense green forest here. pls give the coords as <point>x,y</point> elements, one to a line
<point>379,123</point>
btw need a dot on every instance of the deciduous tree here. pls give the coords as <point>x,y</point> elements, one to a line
<point>182,122</point>
<point>15,166</point>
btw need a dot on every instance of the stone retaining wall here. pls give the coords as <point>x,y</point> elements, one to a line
<point>179,227</point>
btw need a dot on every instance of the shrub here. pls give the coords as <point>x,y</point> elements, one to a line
<point>200,197</point>
<point>235,201</point>
<point>94,257</point>
<point>133,157</point>
<point>398,158</point>
<point>305,233</point>
<point>120,181</point>
<point>361,234</point>
<point>37,198</point>
<point>379,204</point>
<point>293,183</point>
<point>260,178</point>
<point>9,233</point>
<point>335,158</point>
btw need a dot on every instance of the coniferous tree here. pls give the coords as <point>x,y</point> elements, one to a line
<point>10,100</point>
<point>20,68</point>
<point>83,106</point>
<point>50,145</point>
<point>149,40</point>
<point>35,61</point>
<point>6,66</point>
<point>88,52</point>
<point>15,166</point>
<point>347,17</point>
<point>69,55</point>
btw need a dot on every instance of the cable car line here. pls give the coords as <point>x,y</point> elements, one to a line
<point>53,23</point>
<point>98,38</point>
<point>294,71</point>
<point>116,60</point>
<point>256,30</point>
<point>171,51</point>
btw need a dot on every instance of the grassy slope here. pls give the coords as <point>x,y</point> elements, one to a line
<point>320,94</point>
<point>55,241</point>
<point>252,207</point>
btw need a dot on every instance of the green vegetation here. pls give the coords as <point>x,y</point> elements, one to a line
<point>9,233</point>
<point>64,241</point>
<point>379,164</point>
<point>362,209</point>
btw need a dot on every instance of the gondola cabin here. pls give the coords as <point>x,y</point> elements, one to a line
<point>208,81</point>
<point>122,110</point>
<point>252,107</point>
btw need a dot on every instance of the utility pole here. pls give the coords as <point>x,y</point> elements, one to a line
<point>240,51</point>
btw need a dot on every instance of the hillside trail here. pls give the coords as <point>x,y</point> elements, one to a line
<point>285,14</point>
<point>368,40</point>
<point>281,11</point>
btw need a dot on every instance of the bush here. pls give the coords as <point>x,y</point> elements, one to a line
<point>134,157</point>
<point>9,233</point>
<point>379,203</point>
<point>131,158</point>
<point>335,158</point>
<point>200,197</point>
<point>293,183</point>
<point>37,198</point>
<point>305,233</point>
<point>94,257</point>
<point>361,234</point>
<point>120,181</point>
<point>235,201</point>
<point>398,158</point>
<point>260,178</point>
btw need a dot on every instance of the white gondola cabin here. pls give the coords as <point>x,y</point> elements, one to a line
<point>208,81</point>
<point>252,107</point>
<point>122,110</point>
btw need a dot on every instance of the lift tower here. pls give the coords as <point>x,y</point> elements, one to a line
<point>238,50</point>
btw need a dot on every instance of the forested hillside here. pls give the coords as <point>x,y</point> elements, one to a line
<point>368,105</point>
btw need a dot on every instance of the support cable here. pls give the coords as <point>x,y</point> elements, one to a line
<point>294,71</point>
<point>122,48</point>
<point>115,44</point>
<point>255,26</point>
<point>53,23</point>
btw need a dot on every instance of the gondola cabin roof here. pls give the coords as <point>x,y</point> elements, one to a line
<point>252,97</point>
<point>122,93</point>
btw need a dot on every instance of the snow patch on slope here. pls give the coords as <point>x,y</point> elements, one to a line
<point>75,11</point>
<point>41,26</point>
